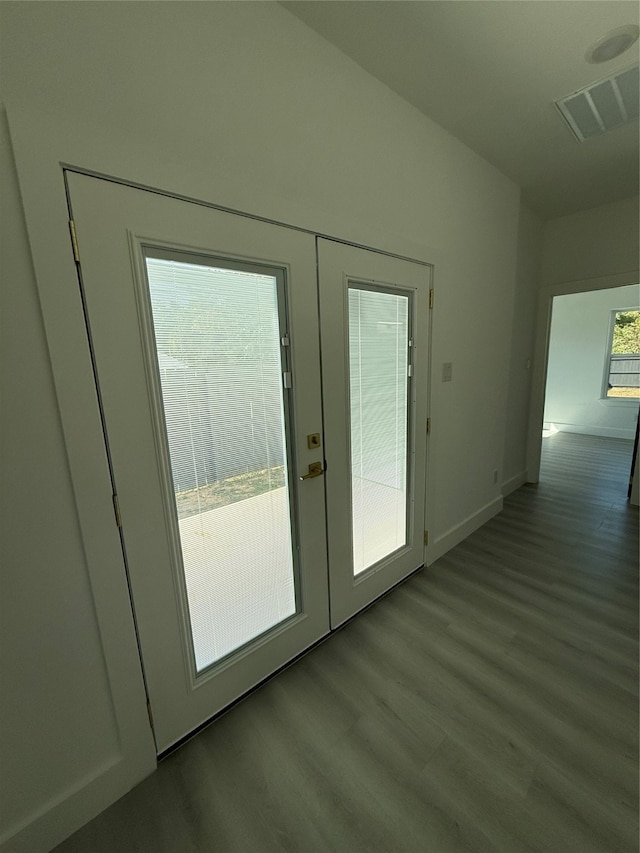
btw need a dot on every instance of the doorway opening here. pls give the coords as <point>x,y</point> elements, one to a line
<point>592,385</point>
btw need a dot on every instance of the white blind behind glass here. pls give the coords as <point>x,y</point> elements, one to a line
<point>378,382</point>
<point>218,335</point>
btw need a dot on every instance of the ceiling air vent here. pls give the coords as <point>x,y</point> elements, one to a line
<point>602,106</point>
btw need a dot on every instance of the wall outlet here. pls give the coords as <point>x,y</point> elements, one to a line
<point>447,371</point>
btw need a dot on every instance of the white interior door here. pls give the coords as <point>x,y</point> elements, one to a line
<point>205,336</point>
<point>204,333</point>
<point>374,320</point>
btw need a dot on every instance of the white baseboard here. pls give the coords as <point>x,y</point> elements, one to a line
<point>60,817</point>
<point>605,432</point>
<point>460,531</point>
<point>514,483</point>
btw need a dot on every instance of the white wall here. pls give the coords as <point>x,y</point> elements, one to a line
<point>514,472</point>
<point>44,704</point>
<point>598,242</point>
<point>578,351</point>
<point>59,736</point>
<point>242,105</point>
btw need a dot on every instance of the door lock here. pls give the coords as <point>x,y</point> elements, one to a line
<point>315,470</point>
<point>313,440</point>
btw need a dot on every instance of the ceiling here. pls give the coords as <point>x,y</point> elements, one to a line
<point>489,71</point>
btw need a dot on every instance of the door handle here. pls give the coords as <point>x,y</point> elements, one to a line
<point>315,470</point>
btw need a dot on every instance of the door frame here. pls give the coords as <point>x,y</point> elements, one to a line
<point>420,276</point>
<point>541,353</point>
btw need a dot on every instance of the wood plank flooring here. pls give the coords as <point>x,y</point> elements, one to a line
<point>488,704</point>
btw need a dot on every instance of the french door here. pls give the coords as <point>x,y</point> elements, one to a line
<point>229,474</point>
<point>374,315</point>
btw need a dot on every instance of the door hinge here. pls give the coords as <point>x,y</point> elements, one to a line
<point>74,241</point>
<point>431,298</point>
<point>426,537</point>
<point>149,714</point>
<point>428,426</point>
<point>116,509</point>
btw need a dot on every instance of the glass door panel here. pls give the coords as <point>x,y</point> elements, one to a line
<point>218,333</point>
<point>379,366</point>
<point>374,336</point>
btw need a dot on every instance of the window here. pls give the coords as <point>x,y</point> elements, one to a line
<point>218,331</point>
<point>379,343</point>
<point>622,369</point>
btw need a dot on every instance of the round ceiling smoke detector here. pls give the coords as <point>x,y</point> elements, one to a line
<point>613,44</point>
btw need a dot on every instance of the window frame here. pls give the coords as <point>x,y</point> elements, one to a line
<point>357,284</point>
<point>604,397</point>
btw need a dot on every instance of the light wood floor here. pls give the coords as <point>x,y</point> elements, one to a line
<point>488,704</point>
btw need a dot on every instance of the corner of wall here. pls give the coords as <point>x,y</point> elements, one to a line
<point>526,282</point>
